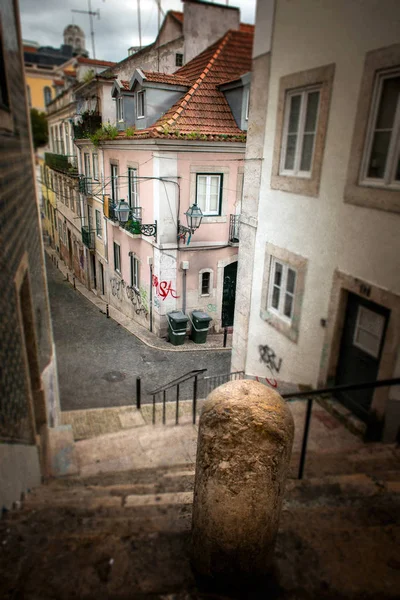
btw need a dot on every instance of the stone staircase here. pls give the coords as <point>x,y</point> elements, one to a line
<point>126,534</point>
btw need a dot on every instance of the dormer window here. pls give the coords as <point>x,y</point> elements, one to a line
<point>140,104</point>
<point>120,109</point>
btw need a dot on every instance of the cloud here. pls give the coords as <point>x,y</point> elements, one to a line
<point>44,21</point>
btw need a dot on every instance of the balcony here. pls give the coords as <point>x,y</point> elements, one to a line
<point>62,162</point>
<point>135,214</point>
<point>234,228</point>
<point>86,185</point>
<point>88,237</point>
<point>87,126</point>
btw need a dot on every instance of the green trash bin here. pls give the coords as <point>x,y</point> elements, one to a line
<point>200,325</point>
<point>177,323</point>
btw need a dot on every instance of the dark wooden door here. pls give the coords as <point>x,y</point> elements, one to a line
<point>94,271</point>
<point>360,351</point>
<point>229,294</point>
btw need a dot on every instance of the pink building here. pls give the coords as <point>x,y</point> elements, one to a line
<point>181,143</point>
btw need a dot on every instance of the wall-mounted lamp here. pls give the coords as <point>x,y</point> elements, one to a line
<point>193,217</point>
<point>125,213</point>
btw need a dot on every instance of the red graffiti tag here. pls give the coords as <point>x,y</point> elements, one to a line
<point>164,288</point>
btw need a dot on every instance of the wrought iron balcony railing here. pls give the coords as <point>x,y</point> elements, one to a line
<point>87,185</point>
<point>234,228</point>
<point>62,162</point>
<point>88,237</point>
<point>88,125</point>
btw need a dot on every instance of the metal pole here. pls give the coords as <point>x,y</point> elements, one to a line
<point>107,311</point>
<point>154,409</point>
<point>305,437</point>
<point>139,25</point>
<point>138,393</point>
<point>177,405</point>
<point>91,28</point>
<point>74,282</point>
<point>184,292</point>
<point>194,399</point>
<point>151,298</point>
<point>68,277</point>
<point>163,407</point>
<point>225,336</point>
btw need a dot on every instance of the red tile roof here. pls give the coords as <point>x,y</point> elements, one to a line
<point>93,61</point>
<point>247,28</point>
<point>178,15</point>
<point>204,108</point>
<point>125,84</point>
<point>173,79</point>
<point>58,82</point>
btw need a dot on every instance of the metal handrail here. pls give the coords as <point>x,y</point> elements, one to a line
<point>176,383</point>
<point>330,390</point>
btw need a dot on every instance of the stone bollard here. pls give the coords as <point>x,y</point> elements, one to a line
<point>244,446</point>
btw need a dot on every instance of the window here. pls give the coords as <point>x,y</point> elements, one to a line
<point>66,193</point>
<point>114,183</point>
<point>47,95</point>
<point>117,258</point>
<point>368,331</point>
<point>382,153</point>
<point>282,289</point>
<point>140,104</point>
<point>301,128</point>
<point>98,223</point>
<point>205,283</point>
<point>86,158</point>
<point>133,191</point>
<point>120,109</point>
<point>28,89</point>
<point>301,113</point>
<point>208,193</point>
<point>247,104</point>
<point>134,272</point>
<point>178,59</point>
<point>95,167</point>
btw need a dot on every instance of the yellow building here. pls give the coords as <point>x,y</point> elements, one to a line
<point>49,204</point>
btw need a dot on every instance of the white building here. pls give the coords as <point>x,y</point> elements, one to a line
<point>320,218</point>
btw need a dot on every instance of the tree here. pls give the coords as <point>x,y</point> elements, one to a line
<point>39,128</point>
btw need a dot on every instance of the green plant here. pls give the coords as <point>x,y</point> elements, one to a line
<point>88,76</point>
<point>39,128</point>
<point>105,132</point>
<point>130,131</point>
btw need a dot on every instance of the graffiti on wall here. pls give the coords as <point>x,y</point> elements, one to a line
<point>138,299</point>
<point>116,287</point>
<point>268,357</point>
<point>211,307</point>
<point>164,288</point>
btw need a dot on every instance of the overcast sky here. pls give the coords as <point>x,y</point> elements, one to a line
<point>43,21</point>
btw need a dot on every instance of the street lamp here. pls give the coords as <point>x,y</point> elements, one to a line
<point>193,217</point>
<point>122,211</point>
<point>126,217</point>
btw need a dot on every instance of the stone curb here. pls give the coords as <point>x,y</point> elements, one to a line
<point>119,318</point>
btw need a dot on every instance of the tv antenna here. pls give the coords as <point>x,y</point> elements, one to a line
<point>91,14</point>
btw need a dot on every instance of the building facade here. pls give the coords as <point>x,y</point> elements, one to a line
<point>320,215</point>
<point>29,400</point>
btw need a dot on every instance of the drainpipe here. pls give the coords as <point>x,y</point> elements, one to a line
<point>185,267</point>
<point>150,261</point>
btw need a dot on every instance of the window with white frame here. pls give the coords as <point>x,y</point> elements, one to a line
<point>117,257</point>
<point>114,183</point>
<point>95,158</point>
<point>133,188</point>
<point>120,109</point>
<point>86,159</point>
<point>381,164</point>
<point>135,265</point>
<point>282,288</point>
<point>140,104</point>
<point>299,132</point>
<point>205,283</point>
<point>98,223</point>
<point>208,193</point>
<point>368,332</point>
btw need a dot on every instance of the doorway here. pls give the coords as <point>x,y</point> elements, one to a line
<point>102,278</point>
<point>229,294</point>
<point>361,346</point>
<point>70,249</point>
<point>93,261</point>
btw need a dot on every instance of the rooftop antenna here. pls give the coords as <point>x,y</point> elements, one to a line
<point>139,24</point>
<point>91,14</point>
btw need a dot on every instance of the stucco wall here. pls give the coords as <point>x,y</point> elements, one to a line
<point>327,232</point>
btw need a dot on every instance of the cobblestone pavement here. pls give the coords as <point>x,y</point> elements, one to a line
<point>98,360</point>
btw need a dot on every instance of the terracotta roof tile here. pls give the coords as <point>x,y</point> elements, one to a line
<point>173,79</point>
<point>178,15</point>
<point>125,84</point>
<point>91,61</point>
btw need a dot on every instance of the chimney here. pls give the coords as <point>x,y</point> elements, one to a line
<point>204,23</point>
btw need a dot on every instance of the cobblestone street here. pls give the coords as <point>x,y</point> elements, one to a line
<point>98,360</point>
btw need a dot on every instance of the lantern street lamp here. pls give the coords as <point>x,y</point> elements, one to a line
<point>193,217</point>
<point>128,218</point>
<point>122,211</point>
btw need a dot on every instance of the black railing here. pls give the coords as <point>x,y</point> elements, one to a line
<point>88,237</point>
<point>308,395</point>
<point>176,383</point>
<point>234,228</point>
<point>213,381</point>
<point>61,162</point>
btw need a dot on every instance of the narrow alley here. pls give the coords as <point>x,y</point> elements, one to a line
<point>99,361</point>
